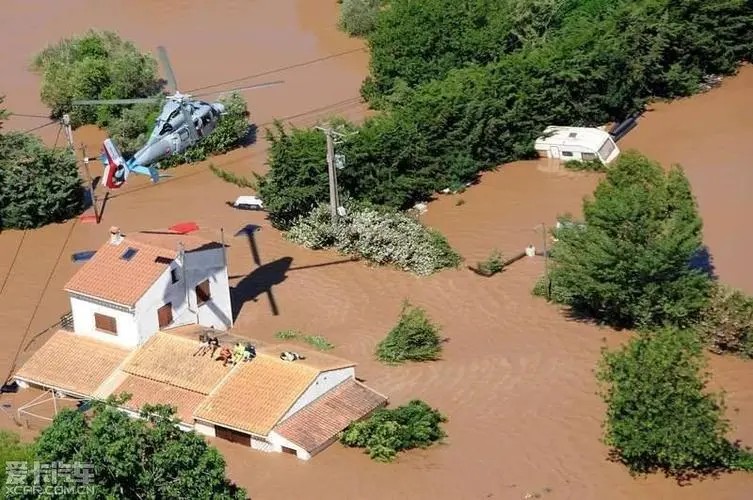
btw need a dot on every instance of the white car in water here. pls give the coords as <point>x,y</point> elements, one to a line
<point>248,203</point>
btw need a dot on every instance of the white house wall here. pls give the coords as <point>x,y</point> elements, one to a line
<point>277,442</point>
<point>199,266</point>
<point>163,291</point>
<point>209,264</point>
<point>204,428</point>
<point>83,322</point>
<point>323,383</point>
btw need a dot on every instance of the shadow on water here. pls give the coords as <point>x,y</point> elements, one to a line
<point>265,276</point>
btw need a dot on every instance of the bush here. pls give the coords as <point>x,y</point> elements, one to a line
<point>492,265</point>
<point>726,323</point>
<point>230,177</point>
<point>378,235</point>
<point>631,262</point>
<point>388,431</point>
<point>588,165</point>
<point>414,338</point>
<point>96,65</point>
<point>359,17</point>
<point>659,415</point>
<point>38,185</point>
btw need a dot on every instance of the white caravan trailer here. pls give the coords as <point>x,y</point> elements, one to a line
<point>577,143</point>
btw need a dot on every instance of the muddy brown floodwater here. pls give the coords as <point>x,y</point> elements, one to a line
<point>516,380</point>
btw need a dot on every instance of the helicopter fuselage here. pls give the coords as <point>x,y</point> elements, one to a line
<point>173,133</point>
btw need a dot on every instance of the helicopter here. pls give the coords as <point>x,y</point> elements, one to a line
<point>182,122</point>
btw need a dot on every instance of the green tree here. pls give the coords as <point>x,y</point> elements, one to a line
<point>388,431</point>
<point>659,414</point>
<point>414,338</point>
<point>38,185</point>
<point>297,178</point>
<point>12,449</point>
<point>135,458</point>
<point>630,264</point>
<point>96,65</point>
<point>359,17</point>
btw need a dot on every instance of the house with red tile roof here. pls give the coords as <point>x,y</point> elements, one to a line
<point>140,283</point>
<point>139,309</point>
<point>266,403</point>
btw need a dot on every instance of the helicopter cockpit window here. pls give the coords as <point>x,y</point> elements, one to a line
<point>166,129</point>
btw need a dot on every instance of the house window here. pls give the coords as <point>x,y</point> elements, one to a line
<point>567,153</point>
<point>105,323</point>
<point>202,292</point>
<point>174,275</point>
<point>588,156</point>
<point>165,315</point>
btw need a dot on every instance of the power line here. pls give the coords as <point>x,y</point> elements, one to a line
<point>26,115</point>
<point>41,126</point>
<point>277,70</point>
<point>13,262</point>
<point>39,302</point>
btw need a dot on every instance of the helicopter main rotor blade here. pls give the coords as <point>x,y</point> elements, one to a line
<point>172,84</point>
<point>237,89</point>
<point>94,102</point>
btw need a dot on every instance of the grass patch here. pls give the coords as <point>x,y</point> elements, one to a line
<point>316,341</point>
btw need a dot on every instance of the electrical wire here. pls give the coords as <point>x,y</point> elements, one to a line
<point>26,115</point>
<point>278,70</point>
<point>41,126</point>
<point>21,347</point>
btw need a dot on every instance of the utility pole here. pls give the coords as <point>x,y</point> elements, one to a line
<point>334,195</point>
<point>68,131</point>
<point>546,262</point>
<point>69,138</point>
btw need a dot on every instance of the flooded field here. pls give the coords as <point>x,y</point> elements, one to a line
<point>516,377</point>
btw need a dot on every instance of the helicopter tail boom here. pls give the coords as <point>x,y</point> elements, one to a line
<point>116,171</point>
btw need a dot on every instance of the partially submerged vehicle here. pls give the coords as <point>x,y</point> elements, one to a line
<point>248,203</point>
<point>577,143</point>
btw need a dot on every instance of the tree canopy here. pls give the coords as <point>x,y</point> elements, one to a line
<point>659,413</point>
<point>38,185</point>
<point>466,86</point>
<point>96,65</point>
<point>135,458</point>
<point>630,263</point>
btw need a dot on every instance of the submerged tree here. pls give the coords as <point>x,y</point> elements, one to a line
<point>630,263</point>
<point>38,185</point>
<point>659,415</point>
<point>135,458</point>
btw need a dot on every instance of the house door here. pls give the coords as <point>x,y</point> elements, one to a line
<point>231,435</point>
<point>165,315</point>
<point>554,151</point>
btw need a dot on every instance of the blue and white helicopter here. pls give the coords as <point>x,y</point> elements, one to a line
<point>183,122</point>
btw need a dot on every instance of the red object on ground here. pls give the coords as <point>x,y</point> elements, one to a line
<point>184,227</point>
<point>88,219</point>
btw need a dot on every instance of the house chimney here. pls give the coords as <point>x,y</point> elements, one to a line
<point>115,236</point>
